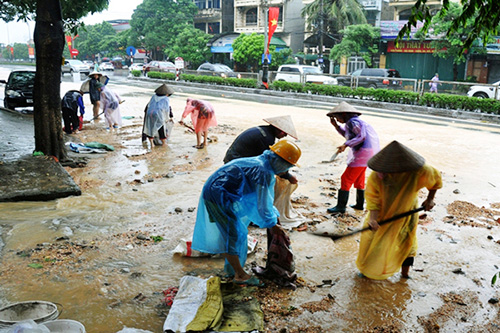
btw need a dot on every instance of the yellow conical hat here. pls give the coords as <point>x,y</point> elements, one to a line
<point>343,107</point>
<point>396,157</point>
<point>283,123</point>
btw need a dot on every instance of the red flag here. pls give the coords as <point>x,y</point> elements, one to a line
<point>69,41</point>
<point>274,13</point>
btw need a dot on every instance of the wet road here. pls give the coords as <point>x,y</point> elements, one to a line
<point>138,189</point>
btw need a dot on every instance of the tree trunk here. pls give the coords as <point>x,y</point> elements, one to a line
<point>49,44</point>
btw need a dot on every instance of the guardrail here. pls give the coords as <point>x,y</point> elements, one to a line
<point>407,84</point>
<point>243,75</point>
<point>482,90</point>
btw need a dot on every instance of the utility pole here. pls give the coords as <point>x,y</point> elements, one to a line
<point>321,32</point>
<point>265,66</point>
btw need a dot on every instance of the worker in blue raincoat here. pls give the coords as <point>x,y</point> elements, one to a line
<point>240,192</point>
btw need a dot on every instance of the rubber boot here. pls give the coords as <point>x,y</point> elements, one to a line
<point>343,196</point>
<point>360,200</point>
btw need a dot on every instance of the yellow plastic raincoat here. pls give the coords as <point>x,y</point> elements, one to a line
<point>381,253</point>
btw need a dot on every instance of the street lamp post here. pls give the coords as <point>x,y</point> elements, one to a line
<point>265,66</point>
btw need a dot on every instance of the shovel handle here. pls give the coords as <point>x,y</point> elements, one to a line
<point>390,219</point>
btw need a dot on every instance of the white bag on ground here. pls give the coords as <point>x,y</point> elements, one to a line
<point>185,250</point>
<point>289,217</point>
<point>190,298</point>
<point>25,326</point>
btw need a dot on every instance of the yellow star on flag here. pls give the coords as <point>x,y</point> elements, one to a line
<point>274,22</point>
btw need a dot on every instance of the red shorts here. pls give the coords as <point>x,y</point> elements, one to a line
<point>353,176</point>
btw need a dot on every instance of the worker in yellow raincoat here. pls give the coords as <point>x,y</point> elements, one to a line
<point>392,189</point>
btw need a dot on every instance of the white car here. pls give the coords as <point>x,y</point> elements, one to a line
<point>74,66</point>
<point>107,66</point>
<point>485,91</point>
<point>136,66</point>
<point>303,73</point>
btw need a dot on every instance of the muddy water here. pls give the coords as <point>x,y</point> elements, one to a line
<point>111,279</point>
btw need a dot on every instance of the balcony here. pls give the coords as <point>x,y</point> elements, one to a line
<point>212,13</point>
<point>371,4</point>
<point>257,3</point>
<point>410,3</point>
<point>254,28</point>
<point>246,3</point>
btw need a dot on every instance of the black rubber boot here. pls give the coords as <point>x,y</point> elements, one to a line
<point>360,200</point>
<point>343,196</point>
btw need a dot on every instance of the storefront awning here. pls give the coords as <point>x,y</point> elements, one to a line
<point>222,49</point>
<point>278,42</point>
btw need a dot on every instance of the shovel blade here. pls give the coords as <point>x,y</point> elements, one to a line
<point>334,156</point>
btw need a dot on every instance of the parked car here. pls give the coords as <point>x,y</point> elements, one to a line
<point>136,66</point>
<point>311,74</point>
<point>19,89</point>
<point>379,78</point>
<point>485,91</point>
<point>159,66</point>
<point>74,66</point>
<point>107,66</point>
<point>217,69</point>
<point>89,63</point>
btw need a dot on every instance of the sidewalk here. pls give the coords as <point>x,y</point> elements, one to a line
<point>24,177</point>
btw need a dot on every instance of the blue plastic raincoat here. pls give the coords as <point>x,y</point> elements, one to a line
<point>240,192</point>
<point>156,115</point>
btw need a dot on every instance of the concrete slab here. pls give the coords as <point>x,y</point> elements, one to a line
<point>35,178</point>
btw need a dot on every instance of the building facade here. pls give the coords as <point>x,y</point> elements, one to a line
<point>250,16</point>
<point>214,16</point>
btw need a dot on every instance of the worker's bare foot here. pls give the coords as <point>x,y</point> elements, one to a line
<point>240,278</point>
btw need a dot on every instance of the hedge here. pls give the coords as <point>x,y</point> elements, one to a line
<point>444,101</point>
<point>217,80</point>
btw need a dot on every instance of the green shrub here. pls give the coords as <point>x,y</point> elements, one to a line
<point>136,73</point>
<point>162,75</point>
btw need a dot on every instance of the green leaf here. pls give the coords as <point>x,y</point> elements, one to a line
<point>494,279</point>
<point>157,239</point>
<point>35,265</point>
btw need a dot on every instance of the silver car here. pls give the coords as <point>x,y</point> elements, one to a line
<point>74,66</point>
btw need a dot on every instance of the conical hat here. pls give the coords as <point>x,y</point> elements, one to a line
<point>94,72</point>
<point>343,107</point>
<point>396,157</point>
<point>164,90</point>
<point>283,123</point>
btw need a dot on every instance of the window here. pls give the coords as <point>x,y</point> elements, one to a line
<point>214,28</point>
<point>201,26</point>
<point>251,17</point>
<point>404,14</point>
<point>280,16</point>
<point>200,4</point>
<point>213,4</point>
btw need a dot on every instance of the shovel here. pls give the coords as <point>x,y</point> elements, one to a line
<point>390,219</point>
<point>191,129</point>
<point>334,156</point>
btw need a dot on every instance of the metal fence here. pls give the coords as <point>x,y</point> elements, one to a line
<point>243,75</point>
<point>480,90</point>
